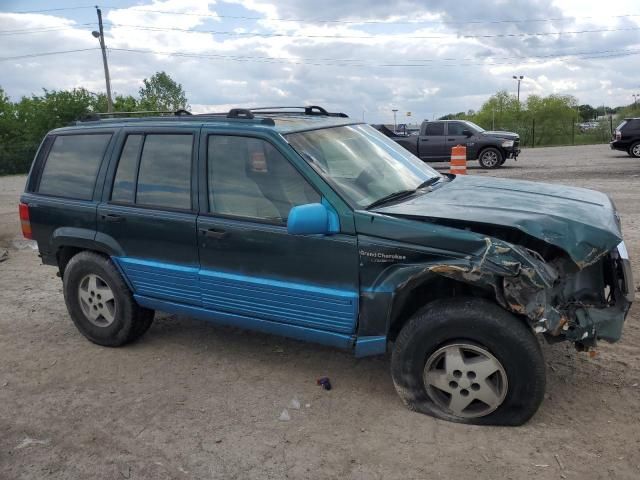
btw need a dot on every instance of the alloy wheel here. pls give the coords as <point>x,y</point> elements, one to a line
<point>97,300</point>
<point>465,380</point>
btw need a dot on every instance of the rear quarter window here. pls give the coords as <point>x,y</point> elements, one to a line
<point>71,167</point>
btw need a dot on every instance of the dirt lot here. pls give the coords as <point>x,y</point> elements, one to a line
<point>192,400</point>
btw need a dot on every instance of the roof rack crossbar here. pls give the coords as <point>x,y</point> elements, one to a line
<point>307,110</point>
<point>240,113</point>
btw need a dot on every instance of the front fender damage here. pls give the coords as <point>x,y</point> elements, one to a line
<point>560,298</point>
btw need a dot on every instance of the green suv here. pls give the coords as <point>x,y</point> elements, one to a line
<point>307,224</point>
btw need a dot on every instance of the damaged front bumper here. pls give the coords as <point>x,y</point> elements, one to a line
<point>564,300</point>
<point>589,304</point>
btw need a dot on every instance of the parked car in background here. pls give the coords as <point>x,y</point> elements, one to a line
<point>626,137</point>
<point>586,126</point>
<point>436,138</point>
<point>318,227</point>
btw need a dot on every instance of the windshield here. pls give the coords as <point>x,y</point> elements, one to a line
<point>478,128</point>
<point>362,164</point>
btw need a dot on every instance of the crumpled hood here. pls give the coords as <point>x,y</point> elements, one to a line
<point>579,221</point>
<point>501,134</point>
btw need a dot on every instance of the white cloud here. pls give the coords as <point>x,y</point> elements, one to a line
<point>308,62</point>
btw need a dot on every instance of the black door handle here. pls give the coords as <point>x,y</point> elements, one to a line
<point>214,233</point>
<point>424,139</point>
<point>110,217</point>
<point>451,139</point>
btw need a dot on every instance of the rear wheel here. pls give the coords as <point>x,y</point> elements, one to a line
<point>491,158</point>
<point>468,360</point>
<point>634,150</point>
<point>100,303</point>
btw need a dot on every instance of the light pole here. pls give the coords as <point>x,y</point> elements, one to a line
<point>635,96</point>
<point>518,79</point>
<point>100,36</point>
<point>395,110</point>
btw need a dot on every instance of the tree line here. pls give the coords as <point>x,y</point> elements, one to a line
<point>551,120</point>
<point>24,123</point>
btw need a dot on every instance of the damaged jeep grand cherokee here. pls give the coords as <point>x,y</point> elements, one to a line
<point>313,226</point>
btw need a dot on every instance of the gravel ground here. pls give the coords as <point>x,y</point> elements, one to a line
<point>192,400</point>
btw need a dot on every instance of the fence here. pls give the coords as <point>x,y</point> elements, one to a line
<point>16,157</point>
<point>537,133</point>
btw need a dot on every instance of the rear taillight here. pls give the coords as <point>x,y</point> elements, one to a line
<point>25,222</point>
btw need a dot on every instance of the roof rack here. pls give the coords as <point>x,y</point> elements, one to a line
<point>234,113</point>
<point>93,116</point>
<point>307,110</point>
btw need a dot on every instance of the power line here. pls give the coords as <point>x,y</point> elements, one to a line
<point>45,10</point>
<point>338,62</point>
<point>316,20</point>
<point>362,37</point>
<point>346,61</point>
<point>24,31</point>
<point>361,22</point>
<point>46,54</point>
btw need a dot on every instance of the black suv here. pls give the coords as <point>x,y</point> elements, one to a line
<point>435,140</point>
<point>318,227</point>
<point>627,137</point>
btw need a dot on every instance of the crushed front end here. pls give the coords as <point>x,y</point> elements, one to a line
<point>565,301</point>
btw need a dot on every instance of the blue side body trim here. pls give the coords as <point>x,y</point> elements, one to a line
<point>304,305</point>
<point>367,346</point>
<point>293,331</point>
<point>161,280</point>
<point>317,308</point>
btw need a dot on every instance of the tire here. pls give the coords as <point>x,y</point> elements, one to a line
<point>634,150</point>
<point>421,353</point>
<point>491,158</point>
<point>100,303</point>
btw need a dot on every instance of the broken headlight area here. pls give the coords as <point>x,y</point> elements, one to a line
<point>583,305</point>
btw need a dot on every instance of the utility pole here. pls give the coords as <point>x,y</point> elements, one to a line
<point>518,79</point>
<point>100,36</point>
<point>635,99</point>
<point>395,110</point>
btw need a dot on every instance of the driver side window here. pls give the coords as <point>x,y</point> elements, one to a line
<point>456,128</point>
<point>249,177</point>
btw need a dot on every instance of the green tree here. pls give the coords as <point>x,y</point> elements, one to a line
<point>28,120</point>
<point>121,103</point>
<point>555,117</point>
<point>587,113</point>
<point>454,116</point>
<point>162,93</point>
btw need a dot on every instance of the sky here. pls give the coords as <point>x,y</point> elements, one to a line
<point>362,57</point>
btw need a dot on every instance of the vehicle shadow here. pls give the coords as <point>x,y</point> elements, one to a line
<point>291,363</point>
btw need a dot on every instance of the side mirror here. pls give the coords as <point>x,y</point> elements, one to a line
<point>466,132</point>
<point>312,219</point>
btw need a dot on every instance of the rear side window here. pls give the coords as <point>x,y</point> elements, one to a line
<point>436,129</point>
<point>72,165</point>
<point>164,179</point>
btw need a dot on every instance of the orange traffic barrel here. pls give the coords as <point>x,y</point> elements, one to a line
<point>458,165</point>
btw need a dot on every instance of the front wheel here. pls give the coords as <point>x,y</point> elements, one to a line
<point>491,158</point>
<point>467,360</point>
<point>634,150</point>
